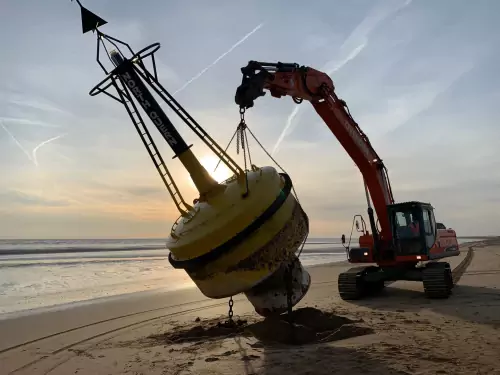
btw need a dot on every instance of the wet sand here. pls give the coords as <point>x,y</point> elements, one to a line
<point>396,332</point>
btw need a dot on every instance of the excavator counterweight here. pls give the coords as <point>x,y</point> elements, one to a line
<point>408,235</point>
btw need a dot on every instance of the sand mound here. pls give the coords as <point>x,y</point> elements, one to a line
<point>310,325</point>
<point>202,330</point>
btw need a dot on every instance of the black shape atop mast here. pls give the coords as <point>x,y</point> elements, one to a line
<point>90,21</point>
<point>130,78</point>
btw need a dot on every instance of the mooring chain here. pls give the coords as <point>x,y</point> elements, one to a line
<point>289,289</point>
<point>230,313</point>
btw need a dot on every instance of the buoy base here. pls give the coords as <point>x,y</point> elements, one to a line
<point>270,296</point>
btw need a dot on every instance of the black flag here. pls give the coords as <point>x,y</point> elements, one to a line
<point>90,21</point>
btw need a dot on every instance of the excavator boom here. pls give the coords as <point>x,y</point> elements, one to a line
<point>304,83</point>
<point>408,232</point>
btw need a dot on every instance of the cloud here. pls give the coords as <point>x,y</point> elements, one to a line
<point>37,104</point>
<point>334,65</point>
<point>35,160</point>
<point>315,42</point>
<point>71,225</point>
<point>132,31</point>
<point>401,66</point>
<point>191,80</point>
<point>327,210</point>
<point>165,71</point>
<point>418,98</point>
<point>146,191</point>
<point>406,105</point>
<point>19,198</point>
<point>18,144</point>
<point>33,156</point>
<point>26,121</point>
<point>349,50</point>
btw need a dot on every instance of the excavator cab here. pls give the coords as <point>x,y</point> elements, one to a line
<point>413,228</point>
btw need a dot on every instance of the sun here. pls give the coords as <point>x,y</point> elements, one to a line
<point>220,174</point>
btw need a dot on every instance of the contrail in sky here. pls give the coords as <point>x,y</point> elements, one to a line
<point>219,58</point>
<point>43,144</point>
<point>329,70</point>
<point>32,157</point>
<point>16,141</point>
<point>351,48</point>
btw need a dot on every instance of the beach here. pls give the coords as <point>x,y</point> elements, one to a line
<point>175,332</point>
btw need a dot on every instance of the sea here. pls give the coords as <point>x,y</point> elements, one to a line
<point>38,274</point>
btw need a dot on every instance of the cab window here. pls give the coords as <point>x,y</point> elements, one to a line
<point>427,222</point>
<point>401,219</point>
<point>407,226</point>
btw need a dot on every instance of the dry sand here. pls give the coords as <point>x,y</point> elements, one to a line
<point>397,332</point>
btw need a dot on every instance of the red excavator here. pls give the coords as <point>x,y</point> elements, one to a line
<point>407,242</point>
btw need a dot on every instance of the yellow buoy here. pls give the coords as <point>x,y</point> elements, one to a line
<point>232,243</point>
<point>240,236</point>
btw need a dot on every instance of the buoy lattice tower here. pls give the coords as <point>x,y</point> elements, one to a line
<point>240,235</point>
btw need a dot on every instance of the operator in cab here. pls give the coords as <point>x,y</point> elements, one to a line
<point>415,228</point>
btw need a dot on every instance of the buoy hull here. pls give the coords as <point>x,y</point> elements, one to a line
<point>278,227</point>
<point>270,297</point>
<point>234,278</point>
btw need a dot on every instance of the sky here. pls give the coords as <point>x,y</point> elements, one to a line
<point>420,78</point>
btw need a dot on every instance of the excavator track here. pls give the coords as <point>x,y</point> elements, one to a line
<point>351,284</point>
<point>438,280</point>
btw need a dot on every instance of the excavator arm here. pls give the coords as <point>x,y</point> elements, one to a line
<point>304,83</point>
<point>399,246</point>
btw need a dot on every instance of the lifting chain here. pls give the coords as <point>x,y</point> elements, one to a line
<point>242,125</point>
<point>240,132</point>
<point>242,141</point>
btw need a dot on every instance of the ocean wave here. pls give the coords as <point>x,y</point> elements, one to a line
<point>60,250</point>
<point>135,257</point>
<point>77,262</point>
<point>107,248</point>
